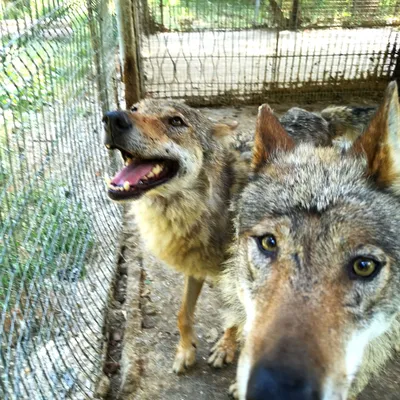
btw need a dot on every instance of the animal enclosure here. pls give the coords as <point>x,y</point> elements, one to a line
<point>62,66</point>
<point>222,52</point>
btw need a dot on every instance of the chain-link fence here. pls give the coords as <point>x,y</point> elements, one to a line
<point>58,230</point>
<point>59,71</point>
<point>251,50</point>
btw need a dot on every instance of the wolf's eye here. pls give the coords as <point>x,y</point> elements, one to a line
<point>267,243</point>
<point>365,267</point>
<point>134,109</point>
<point>176,121</point>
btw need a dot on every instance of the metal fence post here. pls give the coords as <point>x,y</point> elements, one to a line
<point>128,31</point>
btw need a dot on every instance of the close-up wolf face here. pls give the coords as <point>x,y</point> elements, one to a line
<point>316,263</point>
<point>164,145</point>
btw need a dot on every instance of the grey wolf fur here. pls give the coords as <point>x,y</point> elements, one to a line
<point>348,122</point>
<point>314,278</point>
<point>182,212</point>
<point>306,127</point>
<point>302,126</point>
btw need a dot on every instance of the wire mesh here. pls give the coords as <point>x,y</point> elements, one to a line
<point>58,232</point>
<point>58,74</point>
<point>241,50</point>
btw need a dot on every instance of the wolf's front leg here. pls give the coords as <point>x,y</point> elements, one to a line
<point>186,353</point>
<point>224,350</point>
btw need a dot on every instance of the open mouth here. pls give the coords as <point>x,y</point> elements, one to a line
<point>140,175</point>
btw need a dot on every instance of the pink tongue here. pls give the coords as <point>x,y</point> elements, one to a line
<point>132,173</point>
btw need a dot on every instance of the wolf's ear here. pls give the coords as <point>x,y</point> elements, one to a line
<point>223,131</point>
<point>381,141</point>
<point>270,136</point>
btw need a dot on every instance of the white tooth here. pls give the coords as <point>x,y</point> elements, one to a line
<point>127,186</point>
<point>144,178</point>
<point>140,182</point>
<point>157,169</point>
<point>108,181</point>
<point>149,175</point>
<point>108,146</point>
<point>128,161</point>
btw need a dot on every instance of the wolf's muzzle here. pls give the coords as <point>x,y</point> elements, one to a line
<point>116,123</point>
<point>280,383</point>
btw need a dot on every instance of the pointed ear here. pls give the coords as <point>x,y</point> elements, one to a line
<point>270,136</point>
<point>223,131</point>
<point>381,142</point>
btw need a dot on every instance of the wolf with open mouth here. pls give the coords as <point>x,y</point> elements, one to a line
<point>181,174</point>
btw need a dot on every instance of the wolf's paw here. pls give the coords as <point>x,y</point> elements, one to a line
<point>184,358</point>
<point>223,352</point>
<point>233,390</point>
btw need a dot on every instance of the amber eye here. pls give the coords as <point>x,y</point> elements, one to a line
<point>134,109</point>
<point>365,267</point>
<point>176,121</point>
<point>268,243</point>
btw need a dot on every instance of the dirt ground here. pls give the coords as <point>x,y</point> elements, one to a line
<point>148,296</point>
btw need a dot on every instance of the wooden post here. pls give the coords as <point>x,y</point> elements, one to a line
<point>396,71</point>
<point>100,25</point>
<point>128,31</point>
<point>102,40</point>
<point>256,12</point>
<point>294,16</point>
<point>162,13</point>
<point>394,62</point>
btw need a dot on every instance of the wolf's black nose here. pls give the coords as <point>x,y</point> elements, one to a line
<point>117,122</point>
<point>274,383</point>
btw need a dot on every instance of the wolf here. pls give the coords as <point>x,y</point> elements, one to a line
<point>180,174</point>
<point>313,282</point>
<point>347,123</point>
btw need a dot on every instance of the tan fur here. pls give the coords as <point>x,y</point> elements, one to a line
<point>173,230</point>
<point>301,307</point>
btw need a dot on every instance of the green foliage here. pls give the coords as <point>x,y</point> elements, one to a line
<point>191,15</point>
<point>18,9</point>
<point>34,69</point>
<point>44,232</point>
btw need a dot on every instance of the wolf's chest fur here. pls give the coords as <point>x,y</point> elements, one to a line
<point>187,232</point>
